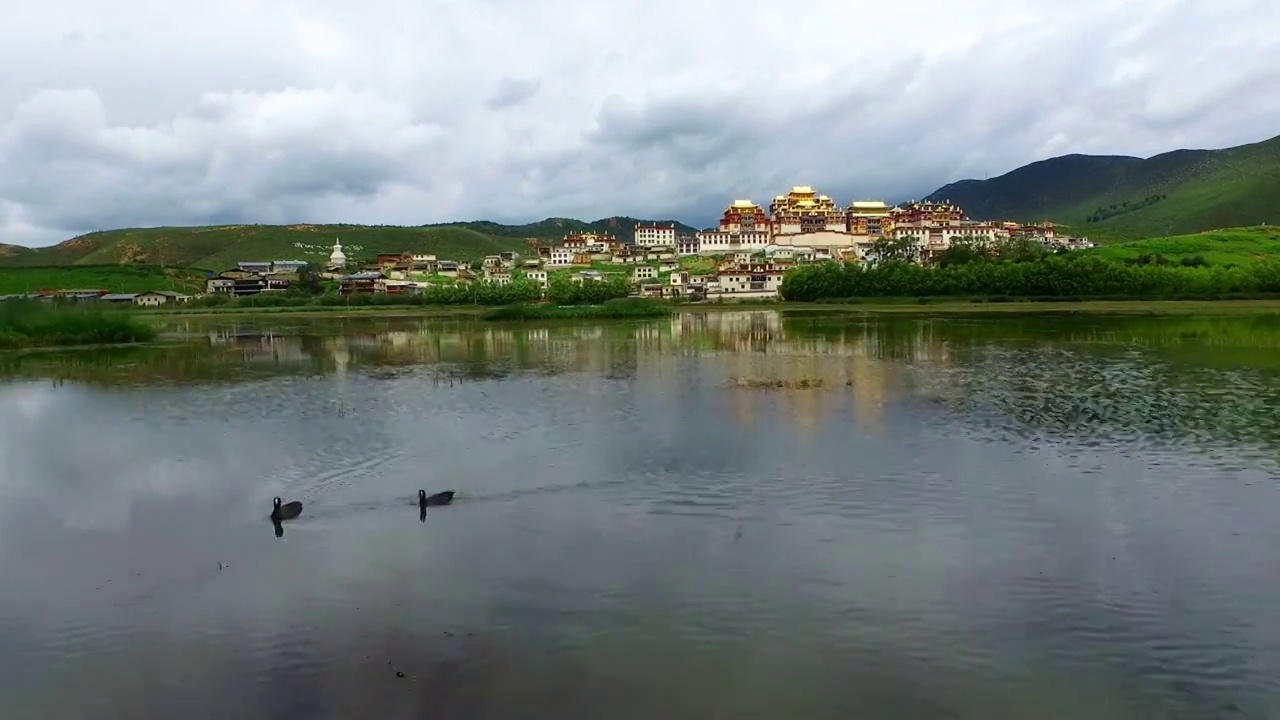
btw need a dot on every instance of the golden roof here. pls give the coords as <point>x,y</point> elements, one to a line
<point>801,190</point>
<point>868,205</point>
<point>743,204</point>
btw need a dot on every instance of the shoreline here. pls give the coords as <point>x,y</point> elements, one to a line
<point>909,306</point>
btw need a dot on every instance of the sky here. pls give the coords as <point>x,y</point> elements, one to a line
<point>405,112</point>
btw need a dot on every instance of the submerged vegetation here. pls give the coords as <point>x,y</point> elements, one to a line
<point>35,323</point>
<point>618,308</point>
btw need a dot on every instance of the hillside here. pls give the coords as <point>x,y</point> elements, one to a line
<point>1238,246</point>
<point>220,247</point>
<point>1118,197</point>
<point>623,228</point>
<point>115,278</point>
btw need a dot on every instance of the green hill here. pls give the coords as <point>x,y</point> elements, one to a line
<point>220,247</point>
<point>1238,246</point>
<point>1117,198</point>
<point>115,278</point>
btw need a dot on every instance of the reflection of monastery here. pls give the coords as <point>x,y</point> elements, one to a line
<point>716,349</point>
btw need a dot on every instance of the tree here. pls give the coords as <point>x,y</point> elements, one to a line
<point>308,282</point>
<point>962,252</point>
<point>888,249</point>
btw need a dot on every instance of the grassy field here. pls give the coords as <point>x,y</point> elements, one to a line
<point>115,278</point>
<point>1115,198</point>
<point>1219,247</point>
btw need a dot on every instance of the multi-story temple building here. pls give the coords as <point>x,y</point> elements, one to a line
<point>744,227</point>
<point>872,218</point>
<point>804,211</point>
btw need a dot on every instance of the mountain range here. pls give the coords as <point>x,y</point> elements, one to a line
<point>1113,197</point>
<point>1106,197</point>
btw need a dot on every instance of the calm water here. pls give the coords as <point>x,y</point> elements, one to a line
<point>729,515</point>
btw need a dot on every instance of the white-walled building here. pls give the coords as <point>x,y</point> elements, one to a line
<point>649,235</point>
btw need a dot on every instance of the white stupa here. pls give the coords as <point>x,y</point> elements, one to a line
<point>337,259</point>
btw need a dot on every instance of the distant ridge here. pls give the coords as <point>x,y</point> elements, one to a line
<point>1116,196</point>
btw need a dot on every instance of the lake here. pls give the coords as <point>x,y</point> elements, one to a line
<point>738,514</point>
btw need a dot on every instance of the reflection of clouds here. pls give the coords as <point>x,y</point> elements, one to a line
<point>598,513</point>
<point>89,459</point>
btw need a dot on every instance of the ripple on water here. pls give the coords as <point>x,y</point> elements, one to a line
<point>984,529</point>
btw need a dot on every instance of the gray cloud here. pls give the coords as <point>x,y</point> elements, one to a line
<point>276,112</point>
<point>512,92</point>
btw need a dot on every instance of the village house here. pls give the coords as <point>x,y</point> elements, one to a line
<point>752,283</point>
<point>359,283</point>
<point>539,276</point>
<point>395,287</point>
<point>560,257</point>
<point>238,282</point>
<point>150,298</point>
<point>587,276</point>
<point>660,252</point>
<point>256,268</point>
<point>644,272</point>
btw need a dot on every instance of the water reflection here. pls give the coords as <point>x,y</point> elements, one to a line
<point>728,514</point>
<point>1142,378</point>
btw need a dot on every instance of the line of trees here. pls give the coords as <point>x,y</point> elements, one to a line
<point>1056,276</point>
<point>1114,209</point>
<point>561,291</point>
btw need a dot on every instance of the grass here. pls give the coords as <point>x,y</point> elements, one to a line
<point>622,308</point>
<point>1239,246</point>
<point>114,278</point>
<point>33,323</point>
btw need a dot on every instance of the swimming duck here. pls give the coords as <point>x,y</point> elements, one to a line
<point>440,498</point>
<point>287,511</point>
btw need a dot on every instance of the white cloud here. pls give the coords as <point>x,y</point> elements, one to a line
<point>131,113</point>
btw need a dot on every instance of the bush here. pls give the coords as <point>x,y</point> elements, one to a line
<point>562,291</point>
<point>1055,276</point>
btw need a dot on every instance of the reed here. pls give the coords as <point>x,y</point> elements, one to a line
<point>35,323</point>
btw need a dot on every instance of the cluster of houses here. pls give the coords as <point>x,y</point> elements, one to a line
<point>149,298</point>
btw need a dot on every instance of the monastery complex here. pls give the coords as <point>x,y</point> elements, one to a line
<point>804,219</point>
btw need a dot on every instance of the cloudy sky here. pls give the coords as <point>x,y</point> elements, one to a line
<point>140,112</point>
